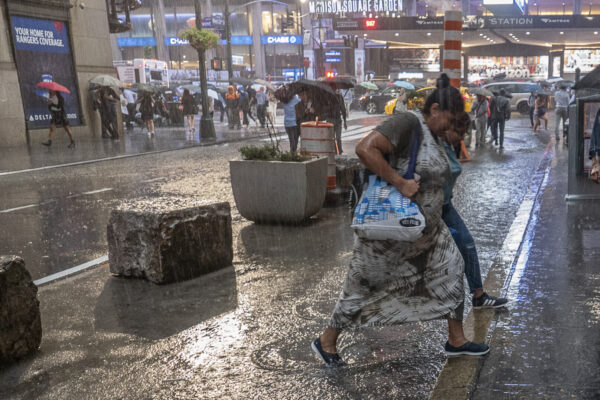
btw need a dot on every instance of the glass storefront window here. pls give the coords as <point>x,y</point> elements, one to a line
<point>513,67</point>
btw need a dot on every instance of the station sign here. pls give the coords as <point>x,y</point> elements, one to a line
<point>470,22</point>
<point>333,53</point>
<point>354,6</point>
<point>281,39</point>
<point>333,59</point>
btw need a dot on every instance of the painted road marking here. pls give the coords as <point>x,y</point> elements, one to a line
<point>98,191</point>
<point>18,208</point>
<point>71,271</point>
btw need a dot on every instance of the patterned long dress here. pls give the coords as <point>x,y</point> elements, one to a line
<point>391,282</point>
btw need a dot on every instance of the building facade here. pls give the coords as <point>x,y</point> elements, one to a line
<point>50,40</point>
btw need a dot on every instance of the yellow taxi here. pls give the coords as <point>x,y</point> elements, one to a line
<point>417,100</point>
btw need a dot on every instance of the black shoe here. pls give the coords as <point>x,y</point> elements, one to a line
<point>71,145</point>
<point>467,349</point>
<point>487,301</point>
<point>330,359</point>
<point>48,143</point>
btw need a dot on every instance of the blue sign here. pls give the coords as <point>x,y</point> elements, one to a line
<point>175,41</point>
<point>136,41</point>
<point>241,40</point>
<point>291,74</point>
<point>282,39</point>
<point>40,35</point>
<point>43,54</point>
<point>333,53</point>
<point>333,59</point>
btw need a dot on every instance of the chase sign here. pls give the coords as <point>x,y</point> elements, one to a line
<point>282,39</point>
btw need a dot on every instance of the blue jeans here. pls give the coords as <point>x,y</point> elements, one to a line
<point>466,245</point>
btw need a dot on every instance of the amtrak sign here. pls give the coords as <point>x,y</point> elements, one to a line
<point>282,39</point>
<point>354,6</point>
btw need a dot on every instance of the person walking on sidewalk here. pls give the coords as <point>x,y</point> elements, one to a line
<point>261,106</point>
<point>245,106</point>
<point>272,108</point>
<point>531,102</point>
<point>499,114</point>
<point>190,109</point>
<point>393,282</point>
<point>541,108</point>
<point>460,233</point>
<point>561,112</point>
<point>146,103</point>
<point>233,108</point>
<point>290,123</point>
<point>480,110</point>
<point>56,105</point>
<point>338,118</point>
<point>595,149</point>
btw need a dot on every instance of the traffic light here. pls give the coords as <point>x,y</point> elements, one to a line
<point>329,74</point>
<point>216,64</point>
<point>347,41</point>
<point>290,19</point>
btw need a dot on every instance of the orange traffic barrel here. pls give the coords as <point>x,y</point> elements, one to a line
<point>318,138</point>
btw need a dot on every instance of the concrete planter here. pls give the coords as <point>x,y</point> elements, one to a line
<point>278,192</point>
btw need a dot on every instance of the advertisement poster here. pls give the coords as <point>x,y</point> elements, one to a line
<point>584,59</point>
<point>514,67</point>
<point>414,60</point>
<point>43,53</point>
<point>359,65</point>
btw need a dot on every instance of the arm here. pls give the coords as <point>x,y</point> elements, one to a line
<point>371,150</point>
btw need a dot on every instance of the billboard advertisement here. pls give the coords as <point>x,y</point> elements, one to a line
<point>414,60</point>
<point>359,62</point>
<point>43,53</point>
<point>584,59</point>
<point>535,67</point>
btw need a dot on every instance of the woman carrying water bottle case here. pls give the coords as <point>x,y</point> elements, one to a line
<point>391,282</point>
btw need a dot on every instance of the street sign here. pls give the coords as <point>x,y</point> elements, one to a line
<point>333,53</point>
<point>333,59</point>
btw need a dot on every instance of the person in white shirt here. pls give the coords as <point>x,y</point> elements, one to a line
<point>561,112</point>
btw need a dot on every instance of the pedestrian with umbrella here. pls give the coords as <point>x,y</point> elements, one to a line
<point>480,109</point>
<point>56,105</point>
<point>541,108</point>
<point>146,103</point>
<point>499,114</point>
<point>189,108</point>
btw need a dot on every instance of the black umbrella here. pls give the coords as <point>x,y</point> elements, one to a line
<point>590,81</point>
<point>325,101</point>
<point>339,83</point>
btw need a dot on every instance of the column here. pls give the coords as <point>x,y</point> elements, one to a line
<point>162,51</point>
<point>259,54</point>
<point>452,46</point>
<point>410,8</point>
<point>576,7</point>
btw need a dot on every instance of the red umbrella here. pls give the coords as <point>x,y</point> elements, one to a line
<point>53,86</point>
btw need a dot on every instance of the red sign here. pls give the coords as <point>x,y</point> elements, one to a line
<point>370,23</point>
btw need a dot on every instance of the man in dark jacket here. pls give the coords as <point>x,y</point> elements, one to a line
<point>499,114</point>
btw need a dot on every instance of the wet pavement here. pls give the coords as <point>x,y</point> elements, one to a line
<point>134,142</point>
<point>547,345</point>
<point>243,331</point>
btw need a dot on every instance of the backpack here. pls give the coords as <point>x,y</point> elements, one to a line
<point>506,109</point>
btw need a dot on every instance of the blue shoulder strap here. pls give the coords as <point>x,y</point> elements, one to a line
<point>414,151</point>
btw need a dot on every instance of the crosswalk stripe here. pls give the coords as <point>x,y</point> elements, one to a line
<point>354,132</point>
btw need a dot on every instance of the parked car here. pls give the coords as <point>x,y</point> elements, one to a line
<point>416,99</point>
<point>518,90</point>
<point>375,103</point>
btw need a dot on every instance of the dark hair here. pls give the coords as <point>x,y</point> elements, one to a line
<point>446,96</point>
<point>186,92</point>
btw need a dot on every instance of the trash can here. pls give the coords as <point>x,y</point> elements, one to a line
<point>318,138</point>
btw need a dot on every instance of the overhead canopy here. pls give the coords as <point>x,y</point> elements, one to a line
<point>590,81</point>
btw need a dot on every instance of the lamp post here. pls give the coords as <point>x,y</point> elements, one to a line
<point>228,42</point>
<point>207,128</point>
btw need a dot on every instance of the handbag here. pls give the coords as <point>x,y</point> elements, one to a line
<point>383,213</point>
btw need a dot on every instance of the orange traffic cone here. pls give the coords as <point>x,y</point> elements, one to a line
<point>464,154</point>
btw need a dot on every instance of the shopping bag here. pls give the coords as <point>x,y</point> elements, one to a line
<point>383,213</point>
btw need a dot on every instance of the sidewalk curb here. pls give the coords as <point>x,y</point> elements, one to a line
<point>458,376</point>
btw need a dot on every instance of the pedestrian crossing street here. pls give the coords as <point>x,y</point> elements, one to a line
<point>354,132</point>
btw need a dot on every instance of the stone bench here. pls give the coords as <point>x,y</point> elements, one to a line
<point>165,243</point>
<point>20,322</point>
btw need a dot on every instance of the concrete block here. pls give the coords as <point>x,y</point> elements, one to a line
<point>20,322</point>
<point>279,192</point>
<point>165,244</point>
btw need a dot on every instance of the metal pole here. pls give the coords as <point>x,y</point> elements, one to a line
<point>207,129</point>
<point>228,40</point>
